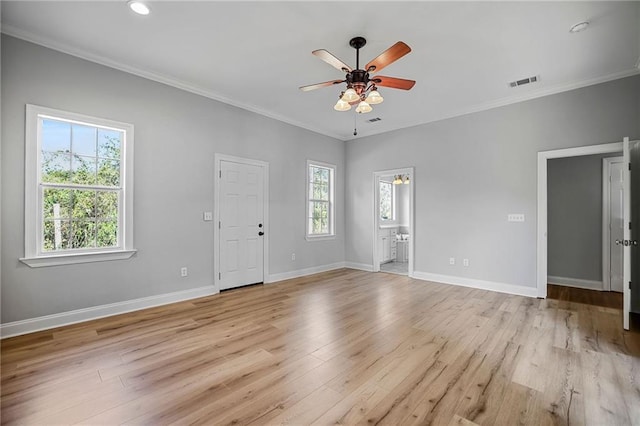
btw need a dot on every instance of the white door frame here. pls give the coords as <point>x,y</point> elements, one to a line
<point>376,204</point>
<point>216,213</point>
<point>606,230</point>
<point>543,157</point>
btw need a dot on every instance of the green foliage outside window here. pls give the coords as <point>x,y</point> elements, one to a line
<point>80,175</point>
<point>319,181</point>
<point>386,200</point>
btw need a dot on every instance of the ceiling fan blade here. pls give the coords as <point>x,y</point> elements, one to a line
<point>331,60</point>
<point>387,57</point>
<point>319,85</point>
<point>393,82</point>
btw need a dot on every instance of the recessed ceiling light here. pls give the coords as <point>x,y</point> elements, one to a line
<point>139,7</point>
<point>580,26</point>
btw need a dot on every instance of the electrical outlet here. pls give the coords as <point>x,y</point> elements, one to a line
<point>465,262</point>
<point>452,261</point>
<point>207,216</point>
<point>183,271</point>
<point>293,256</point>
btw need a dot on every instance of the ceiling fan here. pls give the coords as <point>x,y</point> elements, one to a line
<point>361,85</point>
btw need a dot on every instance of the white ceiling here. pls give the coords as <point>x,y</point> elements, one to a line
<point>255,55</point>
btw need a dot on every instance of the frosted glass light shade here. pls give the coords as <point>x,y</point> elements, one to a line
<point>363,108</point>
<point>350,95</point>
<point>397,180</point>
<point>406,180</point>
<point>342,106</point>
<point>374,98</point>
<point>139,7</point>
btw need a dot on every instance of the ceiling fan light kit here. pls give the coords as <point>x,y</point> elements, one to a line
<point>361,86</point>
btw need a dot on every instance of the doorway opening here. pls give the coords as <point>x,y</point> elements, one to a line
<point>631,154</point>
<point>393,223</point>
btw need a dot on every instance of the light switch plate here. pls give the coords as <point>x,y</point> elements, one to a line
<point>207,216</point>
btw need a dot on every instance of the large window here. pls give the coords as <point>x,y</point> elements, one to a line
<point>78,204</point>
<point>320,209</point>
<point>387,204</point>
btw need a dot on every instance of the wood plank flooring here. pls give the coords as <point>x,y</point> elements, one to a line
<point>342,347</point>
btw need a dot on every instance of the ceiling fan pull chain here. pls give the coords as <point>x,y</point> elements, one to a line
<point>355,130</point>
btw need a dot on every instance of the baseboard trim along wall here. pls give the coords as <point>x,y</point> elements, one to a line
<point>480,284</point>
<point>272,278</point>
<point>17,328</point>
<point>359,266</point>
<point>576,282</point>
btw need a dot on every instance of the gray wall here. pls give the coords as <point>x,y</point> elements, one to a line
<point>402,204</point>
<point>574,217</point>
<point>471,171</point>
<point>176,136</point>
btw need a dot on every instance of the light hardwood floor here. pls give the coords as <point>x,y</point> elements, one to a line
<point>343,347</point>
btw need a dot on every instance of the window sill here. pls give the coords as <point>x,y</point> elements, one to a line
<point>320,237</point>
<point>71,259</point>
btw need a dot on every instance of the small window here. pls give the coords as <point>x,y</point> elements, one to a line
<point>320,196</point>
<point>78,204</point>
<point>387,204</point>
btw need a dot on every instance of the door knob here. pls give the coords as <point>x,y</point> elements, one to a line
<point>259,225</point>
<point>618,242</point>
<point>261,233</point>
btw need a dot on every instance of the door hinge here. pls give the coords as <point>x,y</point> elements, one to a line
<point>219,275</point>
<point>220,174</point>
<point>219,225</point>
<point>629,225</point>
<point>629,166</point>
<point>629,285</point>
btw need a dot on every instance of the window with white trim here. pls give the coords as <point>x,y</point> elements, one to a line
<point>320,200</point>
<point>78,188</point>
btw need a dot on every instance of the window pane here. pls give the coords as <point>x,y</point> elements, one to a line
<point>56,136</point>
<point>56,235</point>
<point>321,192</point>
<point>84,170</point>
<point>84,204</point>
<point>109,143</point>
<point>386,201</point>
<point>56,167</point>
<point>107,205</point>
<point>109,172</point>
<point>56,203</point>
<point>319,220</point>
<point>84,140</point>
<point>83,234</point>
<point>108,233</point>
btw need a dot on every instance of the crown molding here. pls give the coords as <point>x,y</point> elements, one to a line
<point>157,77</point>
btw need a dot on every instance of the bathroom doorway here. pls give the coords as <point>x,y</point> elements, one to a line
<point>393,241</point>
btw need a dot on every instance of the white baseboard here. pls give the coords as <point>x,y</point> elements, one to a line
<point>576,282</point>
<point>272,278</point>
<point>480,284</point>
<point>359,266</point>
<point>31,325</point>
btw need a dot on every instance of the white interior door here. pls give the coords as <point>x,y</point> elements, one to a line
<point>241,207</point>
<point>626,274</point>
<point>616,224</point>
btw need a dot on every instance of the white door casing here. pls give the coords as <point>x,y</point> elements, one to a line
<point>240,215</point>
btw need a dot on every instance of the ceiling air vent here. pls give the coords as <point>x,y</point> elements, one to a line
<point>373,120</point>
<point>524,81</point>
